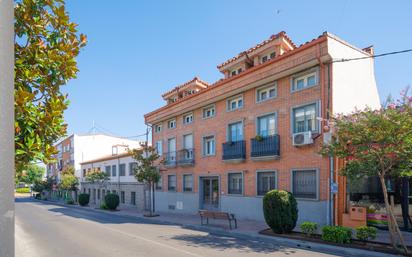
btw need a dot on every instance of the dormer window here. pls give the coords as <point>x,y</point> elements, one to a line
<point>236,71</point>
<point>188,118</point>
<point>268,57</point>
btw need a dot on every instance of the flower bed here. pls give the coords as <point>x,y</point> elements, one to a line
<point>316,238</point>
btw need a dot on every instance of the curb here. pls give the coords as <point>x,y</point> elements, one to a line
<point>299,244</point>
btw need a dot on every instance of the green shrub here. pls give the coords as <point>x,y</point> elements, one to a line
<point>69,201</point>
<point>309,228</point>
<point>84,199</point>
<point>280,211</point>
<point>23,190</point>
<point>337,234</point>
<point>112,201</point>
<point>364,233</point>
<point>103,206</point>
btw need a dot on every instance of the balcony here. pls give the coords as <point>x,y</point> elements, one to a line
<point>186,157</point>
<point>170,159</point>
<point>263,148</point>
<point>234,151</point>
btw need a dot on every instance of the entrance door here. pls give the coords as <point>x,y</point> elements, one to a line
<point>210,193</point>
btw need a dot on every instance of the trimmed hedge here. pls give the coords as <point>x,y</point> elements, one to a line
<point>84,199</point>
<point>112,201</point>
<point>364,233</point>
<point>309,228</point>
<point>280,211</point>
<point>337,234</point>
<point>23,190</point>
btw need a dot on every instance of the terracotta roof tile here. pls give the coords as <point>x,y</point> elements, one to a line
<point>185,84</point>
<point>267,41</point>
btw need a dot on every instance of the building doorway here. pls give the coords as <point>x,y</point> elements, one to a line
<point>209,197</point>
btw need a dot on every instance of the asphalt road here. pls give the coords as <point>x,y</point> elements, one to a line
<point>47,230</point>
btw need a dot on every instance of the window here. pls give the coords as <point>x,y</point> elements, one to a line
<point>304,118</point>
<point>209,112</point>
<point>266,181</point>
<point>268,57</point>
<point>158,128</point>
<point>159,147</point>
<point>114,192</point>
<point>108,170</point>
<point>122,169</point>
<point>188,118</point>
<point>209,145</point>
<point>98,194</point>
<point>171,182</point>
<point>103,193</point>
<point>304,184</point>
<point>235,183</point>
<point>235,132</point>
<point>171,148</point>
<point>84,172</point>
<point>266,92</point>
<point>133,198</point>
<point>171,124</point>
<point>266,125</point>
<point>159,183</point>
<point>235,103</point>
<point>300,82</point>
<point>132,167</point>
<point>114,171</point>
<point>122,200</point>
<point>236,71</point>
<point>188,147</point>
<point>187,183</point>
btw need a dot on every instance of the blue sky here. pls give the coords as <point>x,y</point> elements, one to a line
<point>138,50</point>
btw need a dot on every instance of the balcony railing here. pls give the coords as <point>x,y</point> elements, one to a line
<point>268,146</point>
<point>186,157</point>
<point>170,159</point>
<point>234,150</point>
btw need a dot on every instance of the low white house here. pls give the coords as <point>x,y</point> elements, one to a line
<point>119,167</point>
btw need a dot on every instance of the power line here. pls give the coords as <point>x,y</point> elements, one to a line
<point>372,56</point>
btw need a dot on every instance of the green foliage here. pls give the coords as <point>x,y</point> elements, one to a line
<point>97,176</point>
<point>146,169</point>
<point>309,228</point>
<point>30,174</point>
<point>46,47</point>
<point>364,233</point>
<point>68,181</point>
<point>280,211</point>
<point>103,206</point>
<point>23,190</point>
<point>337,234</point>
<point>84,199</point>
<point>68,169</point>
<point>112,201</point>
<point>39,186</point>
<point>70,201</point>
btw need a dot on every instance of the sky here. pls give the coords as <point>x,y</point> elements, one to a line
<point>138,50</point>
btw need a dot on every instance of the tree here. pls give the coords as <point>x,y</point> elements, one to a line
<point>376,143</point>
<point>98,177</point>
<point>147,169</point>
<point>68,182</point>
<point>30,174</point>
<point>46,47</point>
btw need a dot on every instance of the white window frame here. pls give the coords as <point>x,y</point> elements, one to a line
<point>158,128</point>
<point>170,122</point>
<point>228,131</point>
<point>317,182</point>
<point>188,115</point>
<point>205,109</point>
<point>257,180</point>
<point>266,88</point>
<point>159,184</point>
<point>122,165</point>
<point>304,76</point>
<point>257,126</point>
<point>268,57</point>
<point>168,186</point>
<point>159,151</point>
<point>317,114</point>
<point>237,99</point>
<point>204,145</point>
<point>242,186</point>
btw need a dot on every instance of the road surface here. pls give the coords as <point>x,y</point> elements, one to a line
<point>48,230</point>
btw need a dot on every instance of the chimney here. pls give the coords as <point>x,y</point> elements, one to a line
<point>370,50</point>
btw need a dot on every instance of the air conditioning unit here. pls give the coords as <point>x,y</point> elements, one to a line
<point>302,138</point>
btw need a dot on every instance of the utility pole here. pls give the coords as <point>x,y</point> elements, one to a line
<point>6,128</point>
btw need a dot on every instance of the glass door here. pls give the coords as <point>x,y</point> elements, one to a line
<point>210,193</point>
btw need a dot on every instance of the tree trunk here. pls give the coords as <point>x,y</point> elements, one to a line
<point>395,233</point>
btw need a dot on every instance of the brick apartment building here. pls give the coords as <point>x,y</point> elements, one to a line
<point>260,127</point>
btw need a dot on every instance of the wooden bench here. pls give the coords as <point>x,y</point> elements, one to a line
<point>205,214</point>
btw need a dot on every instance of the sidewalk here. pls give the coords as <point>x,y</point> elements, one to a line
<point>247,230</point>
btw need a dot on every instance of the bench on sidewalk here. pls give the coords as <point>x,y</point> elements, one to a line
<point>205,214</point>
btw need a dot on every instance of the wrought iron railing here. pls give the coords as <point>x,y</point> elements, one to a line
<point>186,157</point>
<point>234,150</point>
<point>265,146</point>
